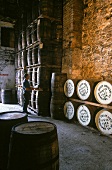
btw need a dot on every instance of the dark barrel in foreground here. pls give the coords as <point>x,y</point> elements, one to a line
<point>34,146</point>
<point>7,121</point>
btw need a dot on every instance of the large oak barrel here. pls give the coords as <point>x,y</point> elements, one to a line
<point>19,59</point>
<point>86,115</point>
<point>33,99</point>
<point>69,110</point>
<point>43,103</point>
<point>24,58</point>
<point>103,121</point>
<point>34,146</point>
<point>6,96</point>
<point>34,33</point>
<point>7,121</point>
<point>20,96</point>
<point>23,40</point>
<point>20,42</point>
<point>69,88</point>
<point>57,84</point>
<point>83,89</point>
<point>83,115</point>
<point>58,98</point>
<point>34,55</point>
<point>56,108</point>
<point>103,92</point>
<point>34,76</point>
<point>43,77</point>
<point>18,77</point>
<point>30,70</point>
<point>29,57</point>
<point>28,36</point>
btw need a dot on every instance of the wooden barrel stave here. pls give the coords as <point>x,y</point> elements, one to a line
<point>7,121</point>
<point>43,103</point>
<point>6,96</point>
<point>36,143</point>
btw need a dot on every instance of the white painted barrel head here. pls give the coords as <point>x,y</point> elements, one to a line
<point>83,89</point>
<point>83,115</point>
<point>103,121</point>
<point>69,110</point>
<point>69,88</point>
<point>103,92</point>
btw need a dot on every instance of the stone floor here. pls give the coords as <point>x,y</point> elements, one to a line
<point>80,148</point>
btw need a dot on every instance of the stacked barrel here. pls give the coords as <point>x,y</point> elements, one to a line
<point>39,50</point>
<point>58,97</point>
<point>92,102</point>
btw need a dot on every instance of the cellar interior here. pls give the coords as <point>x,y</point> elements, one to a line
<point>66,48</point>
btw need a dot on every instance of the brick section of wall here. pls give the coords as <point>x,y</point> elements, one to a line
<point>87,39</point>
<point>97,40</point>
<point>72,38</point>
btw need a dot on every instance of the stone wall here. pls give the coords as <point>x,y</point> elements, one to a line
<point>72,38</point>
<point>87,39</point>
<point>97,39</point>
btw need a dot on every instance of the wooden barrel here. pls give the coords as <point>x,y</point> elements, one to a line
<point>30,71</point>
<point>69,88</point>
<point>83,115</point>
<point>33,99</point>
<point>7,121</point>
<point>69,110</point>
<point>34,33</point>
<point>43,103</point>
<point>24,58</point>
<point>6,96</point>
<point>29,57</point>
<point>57,84</point>
<point>14,96</point>
<point>34,55</point>
<point>43,77</point>
<point>22,75</point>
<point>23,40</point>
<point>43,29</point>
<point>56,108</point>
<point>28,36</point>
<point>103,121</point>
<point>34,76</point>
<point>20,42</point>
<point>34,146</point>
<point>103,92</point>
<point>20,96</point>
<point>83,90</point>
<point>18,77</point>
<point>19,59</point>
